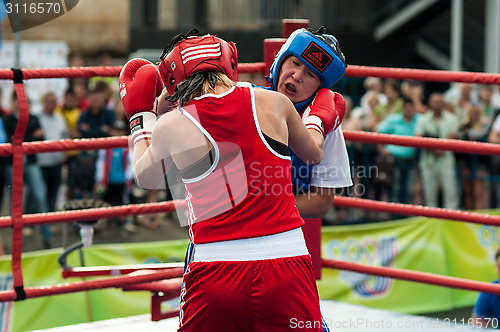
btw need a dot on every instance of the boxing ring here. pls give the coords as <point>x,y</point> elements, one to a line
<point>163,280</point>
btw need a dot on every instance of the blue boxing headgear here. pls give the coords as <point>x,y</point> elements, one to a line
<point>317,51</point>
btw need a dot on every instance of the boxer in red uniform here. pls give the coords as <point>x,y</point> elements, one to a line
<point>251,269</point>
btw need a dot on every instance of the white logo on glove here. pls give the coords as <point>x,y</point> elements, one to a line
<point>123,91</point>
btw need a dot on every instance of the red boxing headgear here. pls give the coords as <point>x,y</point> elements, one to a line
<point>196,54</point>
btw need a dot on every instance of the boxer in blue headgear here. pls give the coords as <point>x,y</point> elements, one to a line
<point>306,67</point>
<point>318,51</point>
<point>306,54</point>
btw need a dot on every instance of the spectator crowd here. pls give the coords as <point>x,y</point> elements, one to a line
<point>431,177</point>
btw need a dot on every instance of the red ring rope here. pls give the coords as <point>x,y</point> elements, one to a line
<point>351,202</point>
<point>423,75</point>
<point>78,286</point>
<point>111,71</point>
<point>423,142</point>
<point>416,210</point>
<point>67,145</point>
<point>94,214</point>
<point>352,71</point>
<point>417,276</point>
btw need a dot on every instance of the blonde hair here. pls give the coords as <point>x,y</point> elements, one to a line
<point>198,85</point>
<point>207,86</point>
<point>372,82</point>
<point>480,122</point>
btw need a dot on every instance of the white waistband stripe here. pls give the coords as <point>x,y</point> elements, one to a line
<point>286,244</point>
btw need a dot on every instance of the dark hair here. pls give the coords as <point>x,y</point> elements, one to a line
<point>49,94</point>
<point>407,100</point>
<point>393,84</point>
<point>101,86</point>
<point>415,83</point>
<point>175,40</point>
<point>93,91</point>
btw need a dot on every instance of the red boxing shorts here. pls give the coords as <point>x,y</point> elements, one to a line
<point>260,295</point>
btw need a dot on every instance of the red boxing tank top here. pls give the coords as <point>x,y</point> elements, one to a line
<point>247,191</point>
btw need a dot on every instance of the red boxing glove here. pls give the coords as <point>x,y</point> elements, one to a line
<point>140,84</point>
<point>326,112</point>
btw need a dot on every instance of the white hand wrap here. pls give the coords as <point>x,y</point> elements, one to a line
<point>141,126</point>
<point>314,122</point>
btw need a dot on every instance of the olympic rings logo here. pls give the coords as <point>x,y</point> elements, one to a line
<point>369,250</point>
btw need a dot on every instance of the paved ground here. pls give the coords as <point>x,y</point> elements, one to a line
<point>340,317</point>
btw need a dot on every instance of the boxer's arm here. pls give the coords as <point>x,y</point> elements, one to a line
<point>317,137</point>
<point>140,84</point>
<point>316,203</point>
<point>272,108</point>
<point>151,157</point>
<point>480,321</point>
<point>300,139</point>
<point>482,312</point>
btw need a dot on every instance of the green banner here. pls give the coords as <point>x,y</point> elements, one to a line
<point>437,246</point>
<point>470,252</point>
<point>41,269</point>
